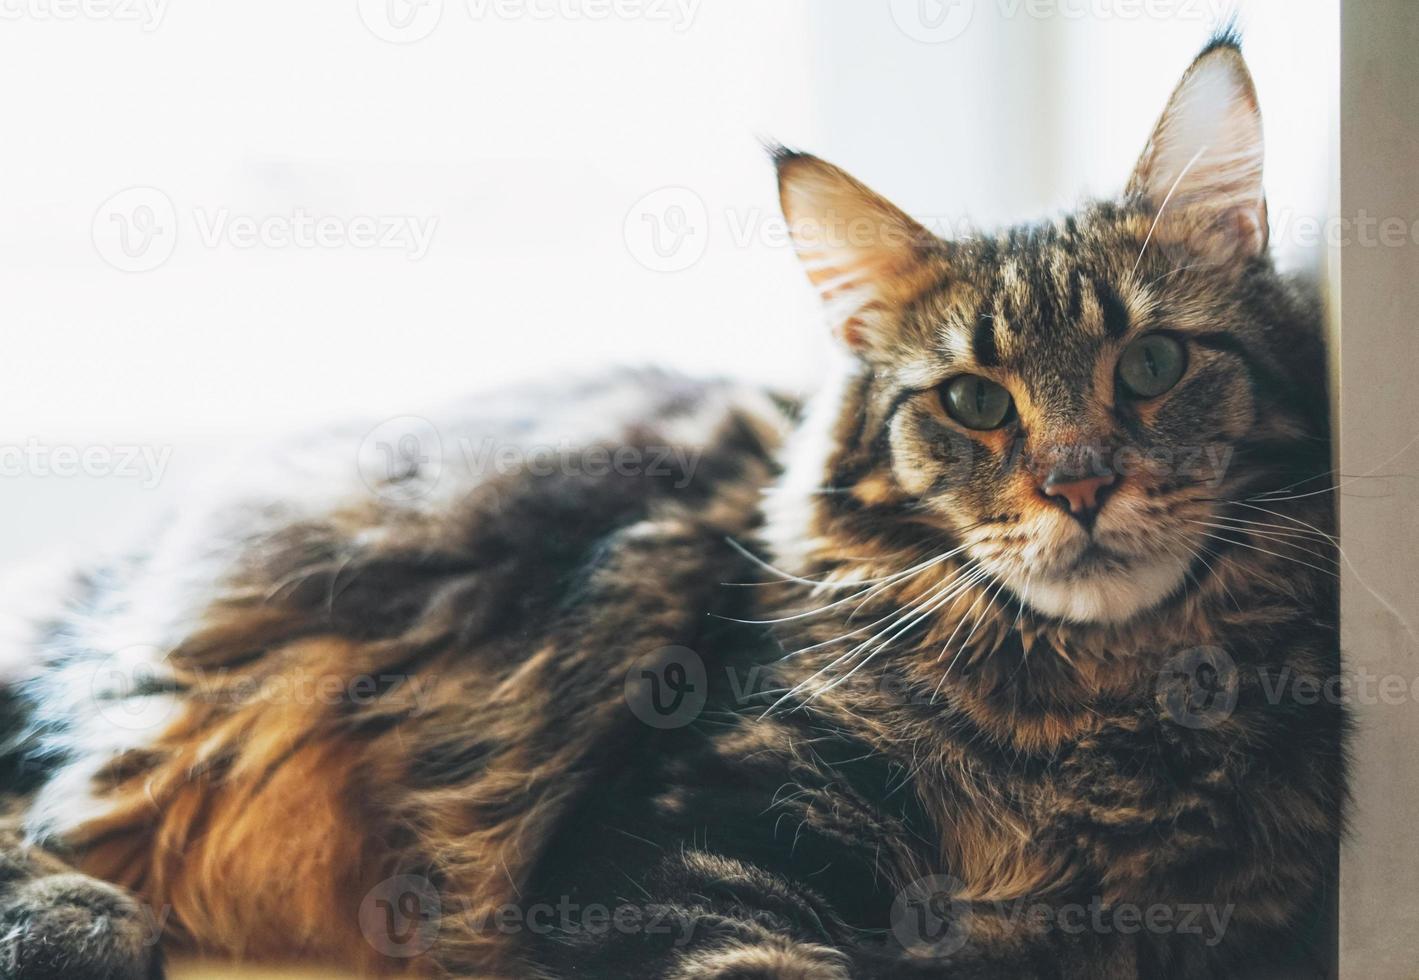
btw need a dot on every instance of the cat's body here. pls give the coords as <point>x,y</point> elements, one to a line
<point>567,716</point>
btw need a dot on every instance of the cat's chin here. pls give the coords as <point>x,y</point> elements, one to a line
<point>1110,596</point>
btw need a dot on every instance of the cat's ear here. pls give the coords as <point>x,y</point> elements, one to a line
<point>865,256</point>
<point>1201,172</point>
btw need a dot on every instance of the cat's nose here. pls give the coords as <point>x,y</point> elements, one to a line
<point>1083,495</point>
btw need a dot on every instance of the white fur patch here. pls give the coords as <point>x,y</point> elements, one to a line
<point>1113,598</point>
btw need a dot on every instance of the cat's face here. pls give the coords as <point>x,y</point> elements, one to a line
<point>1070,420</point>
<point>1070,401</point>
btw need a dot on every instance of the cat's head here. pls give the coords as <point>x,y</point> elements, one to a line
<point>1068,401</point>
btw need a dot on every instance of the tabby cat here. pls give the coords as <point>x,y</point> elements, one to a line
<point>987,664</point>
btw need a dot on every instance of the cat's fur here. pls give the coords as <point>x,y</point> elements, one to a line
<point>936,738</point>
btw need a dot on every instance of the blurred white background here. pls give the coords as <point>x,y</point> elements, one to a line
<point>223,221</point>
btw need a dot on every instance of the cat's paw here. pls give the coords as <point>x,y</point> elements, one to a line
<point>73,927</point>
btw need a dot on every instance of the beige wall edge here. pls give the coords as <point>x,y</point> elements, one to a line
<point>1378,302</point>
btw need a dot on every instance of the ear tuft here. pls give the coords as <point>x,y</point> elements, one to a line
<point>1203,167</point>
<point>779,153</point>
<point>865,255</point>
<point>1228,35</point>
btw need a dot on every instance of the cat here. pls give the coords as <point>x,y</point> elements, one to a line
<point>986,663</point>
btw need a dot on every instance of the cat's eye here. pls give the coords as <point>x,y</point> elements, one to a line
<point>976,402</point>
<point>1151,365</point>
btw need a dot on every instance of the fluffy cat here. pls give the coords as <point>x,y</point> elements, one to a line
<point>1016,692</point>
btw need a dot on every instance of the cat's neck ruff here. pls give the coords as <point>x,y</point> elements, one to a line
<point>789,531</point>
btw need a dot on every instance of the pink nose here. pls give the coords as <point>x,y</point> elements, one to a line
<point>1084,495</point>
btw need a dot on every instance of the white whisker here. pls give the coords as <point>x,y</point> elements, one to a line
<point>1265,551</point>
<point>1159,217</point>
<point>902,619</point>
<point>1345,558</point>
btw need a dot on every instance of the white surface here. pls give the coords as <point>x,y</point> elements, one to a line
<point>526,142</point>
<point>521,162</point>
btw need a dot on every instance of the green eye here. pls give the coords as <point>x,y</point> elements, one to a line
<point>1152,365</point>
<point>976,402</point>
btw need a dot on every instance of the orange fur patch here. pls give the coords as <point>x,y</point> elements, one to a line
<point>251,838</point>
